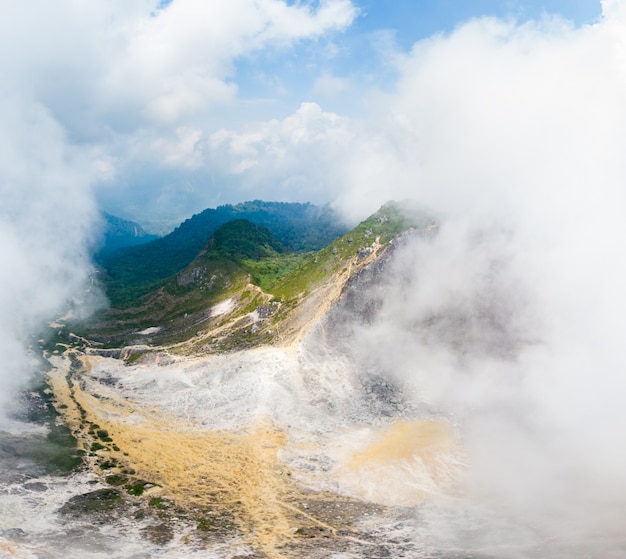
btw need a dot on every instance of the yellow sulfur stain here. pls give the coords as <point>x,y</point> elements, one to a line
<point>197,468</point>
<point>238,475</point>
<point>404,463</point>
<point>404,440</point>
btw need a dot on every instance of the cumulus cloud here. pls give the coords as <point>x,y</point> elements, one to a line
<point>286,157</point>
<point>134,63</point>
<point>130,79</point>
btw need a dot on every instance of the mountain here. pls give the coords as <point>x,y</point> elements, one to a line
<point>134,271</point>
<point>193,428</point>
<point>120,233</point>
<point>241,239</point>
<point>244,288</point>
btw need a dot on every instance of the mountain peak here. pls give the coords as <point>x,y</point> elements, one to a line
<point>241,239</point>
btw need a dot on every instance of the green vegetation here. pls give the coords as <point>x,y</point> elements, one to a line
<point>238,254</point>
<point>116,480</point>
<point>120,233</point>
<point>134,357</point>
<point>381,227</point>
<point>137,488</point>
<point>229,260</point>
<point>56,451</point>
<point>96,501</point>
<point>103,435</point>
<point>161,503</point>
<point>241,239</point>
<point>267,272</point>
<point>132,272</point>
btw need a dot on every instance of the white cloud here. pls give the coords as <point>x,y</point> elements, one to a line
<point>133,80</point>
<point>286,157</point>
<point>330,87</point>
<point>180,61</point>
<point>500,109</point>
<point>183,150</point>
<point>47,219</point>
<point>117,70</point>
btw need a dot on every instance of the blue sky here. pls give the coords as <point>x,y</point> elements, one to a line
<point>411,21</point>
<point>362,50</point>
<point>177,106</point>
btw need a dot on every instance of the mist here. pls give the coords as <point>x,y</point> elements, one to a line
<point>509,321</point>
<point>47,222</point>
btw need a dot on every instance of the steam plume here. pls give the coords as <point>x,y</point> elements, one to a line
<point>45,224</point>
<point>510,321</point>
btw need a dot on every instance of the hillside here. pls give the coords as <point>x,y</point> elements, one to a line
<point>135,271</point>
<point>244,289</point>
<point>121,233</point>
<point>215,405</point>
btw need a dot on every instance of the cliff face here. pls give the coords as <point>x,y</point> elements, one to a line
<point>120,233</point>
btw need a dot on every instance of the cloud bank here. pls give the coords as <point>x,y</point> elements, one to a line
<point>128,78</point>
<point>47,221</point>
<point>510,321</point>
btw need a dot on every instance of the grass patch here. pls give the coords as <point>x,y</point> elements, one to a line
<point>116,480</point>
<point>96,501</point>
<point>138,487</point>
<point>161,503</point>
<point>103,435</point>
<point>134,357</point>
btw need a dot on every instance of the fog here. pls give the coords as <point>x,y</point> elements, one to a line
<point>47,221</point>
<point>510,320</point>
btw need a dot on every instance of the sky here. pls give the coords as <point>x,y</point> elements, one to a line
<point>182,105</point>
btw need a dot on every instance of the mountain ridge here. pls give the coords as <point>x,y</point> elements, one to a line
<point>243,290</point>
<point>134,271</point>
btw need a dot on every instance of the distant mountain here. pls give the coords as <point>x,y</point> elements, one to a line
<point>241,240</point>
<point>137,270</point>
<point>245,289</point>
<point>120,233</point>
